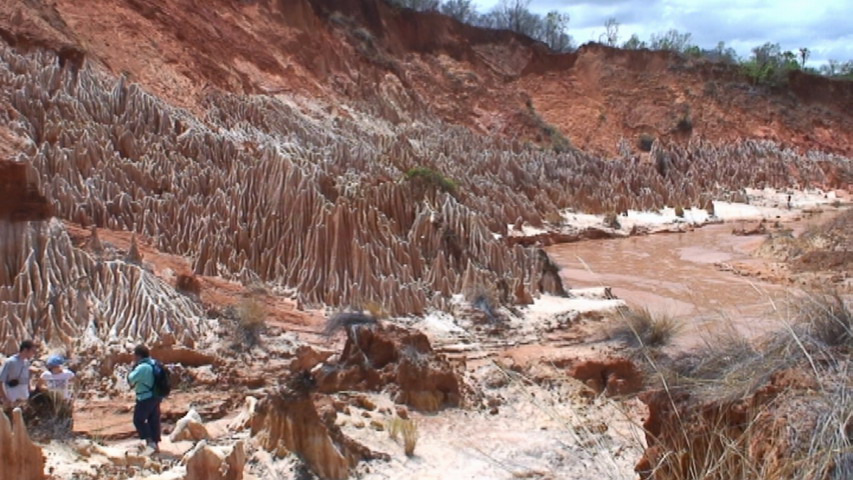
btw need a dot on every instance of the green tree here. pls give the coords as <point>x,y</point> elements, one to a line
<point>554,31</point>
<point>804,55</point>
<point>672,40</point>
<point>611,32</point>
<point>634,43</point>
<point>721,53</point>
<point>419,5</point>
<point>463,10</point>
<point>769,65</point>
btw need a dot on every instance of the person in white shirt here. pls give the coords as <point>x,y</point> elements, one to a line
<point>15,375</point>
<point>57,378</point>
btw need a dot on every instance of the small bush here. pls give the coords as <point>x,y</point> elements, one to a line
<point>642,328</point>
<point>251,321</point>
<point>408,429</point>
<point>554,218</point>
<point>645,142</point>
<point>49,415</point>
<point>376,310</point>
<point>679,211</point>
<point>559,142</point>
<point>611,220</point>
<point>826,319</point>
<point>347,320</point>
<point>432,178</point>
<point>685,124</point>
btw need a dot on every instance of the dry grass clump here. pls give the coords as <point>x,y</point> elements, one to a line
<point>642,328</point>
<point>611,220</point>
<point>251,321</point>
<point>777,407</point>
<point>729,366</point>
<point>49,415</point>
<point>408,429</point>
<point>826,319</point>
<point>347,320</point>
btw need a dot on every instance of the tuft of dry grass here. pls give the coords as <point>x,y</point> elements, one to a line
<point>642,328</point>
<point>251,322</point>
<point>611,220</point>
<point>49,415</point>
<point>347,320</point>
<point>407,429</point>
<point>825,318</point>
<point>780,406</point>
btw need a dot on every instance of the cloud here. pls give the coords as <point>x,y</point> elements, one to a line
<point>823,27</point>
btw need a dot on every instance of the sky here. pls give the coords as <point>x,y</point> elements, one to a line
<point>825,27</point>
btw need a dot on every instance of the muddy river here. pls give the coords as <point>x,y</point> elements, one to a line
<point>675,274</point>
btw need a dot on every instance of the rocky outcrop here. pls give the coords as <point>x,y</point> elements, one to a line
<point>20,458</point>
<point>260,189</point>
<point>296,421</point>
<point>190,427</point>
<point>408,65</point>
<point>243,420</point>
<point>397,359</point>
<point>21,199</point>
<point>612,376</point>
<point>52,290</point>
<point>205,462</point>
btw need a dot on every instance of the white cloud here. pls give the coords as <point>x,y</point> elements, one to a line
<point>824,27</point>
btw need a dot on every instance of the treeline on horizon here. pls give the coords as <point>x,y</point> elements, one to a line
<point>767,64</point>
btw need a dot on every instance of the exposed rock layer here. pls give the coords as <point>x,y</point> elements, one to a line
<point>783,429</point>
<point>21,200</point>
<point>290,421</point>
<point>20,458</point>
<point>209,463</point>
<point>263,190</point>
<point>407,64</point>
<point>374,358</point>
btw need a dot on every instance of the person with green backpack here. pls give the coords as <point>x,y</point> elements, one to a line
<point>150,379</point>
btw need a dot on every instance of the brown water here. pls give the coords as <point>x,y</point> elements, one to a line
<point>675,274</point>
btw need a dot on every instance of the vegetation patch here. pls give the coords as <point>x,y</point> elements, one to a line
<point>642,328</point>
<point>431,178</point>
<point>251,322</point>
<point>407,429</point>
<point>645,142</point>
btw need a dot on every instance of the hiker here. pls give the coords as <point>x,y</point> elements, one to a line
<point>57,378</point>
<point>15,375</point>
<point>146,413</point>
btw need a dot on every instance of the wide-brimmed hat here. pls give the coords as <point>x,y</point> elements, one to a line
<point>55,361</point>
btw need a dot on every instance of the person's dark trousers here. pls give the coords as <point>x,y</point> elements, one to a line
<point>146,419</point>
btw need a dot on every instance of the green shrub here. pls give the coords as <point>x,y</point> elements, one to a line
<point>645,142</point>
<point>432,178</point>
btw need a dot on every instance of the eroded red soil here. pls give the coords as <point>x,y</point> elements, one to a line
<point>407,63</point>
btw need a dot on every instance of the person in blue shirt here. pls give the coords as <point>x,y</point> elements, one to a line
<point>15,375</point>
<point>146,413</point>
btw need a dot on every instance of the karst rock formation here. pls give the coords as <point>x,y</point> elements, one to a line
<point>340,159</point>
<point>21,459</point>
<point>293,420</point>
<point>395,358</point>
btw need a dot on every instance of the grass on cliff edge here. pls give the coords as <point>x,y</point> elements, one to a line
<point>801,428</point>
